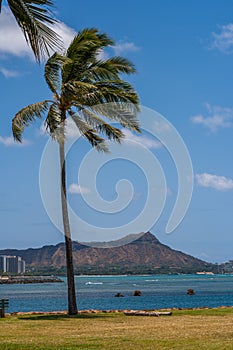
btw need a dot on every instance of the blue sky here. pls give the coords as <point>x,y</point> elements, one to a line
<point>183,52</point>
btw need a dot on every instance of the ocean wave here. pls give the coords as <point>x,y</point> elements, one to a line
<point>93,283</point>
<point>151,280</point>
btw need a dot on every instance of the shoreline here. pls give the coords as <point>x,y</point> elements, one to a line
<point>30,279</point>
<point>115,311</point>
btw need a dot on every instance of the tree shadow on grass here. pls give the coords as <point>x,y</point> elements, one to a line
<point>63,316</point>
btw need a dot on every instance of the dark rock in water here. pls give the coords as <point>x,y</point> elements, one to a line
<point>190,291</point>
<point>119,295</point>
<point>137,293</point>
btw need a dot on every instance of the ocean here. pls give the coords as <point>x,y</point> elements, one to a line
<point>98,292</point>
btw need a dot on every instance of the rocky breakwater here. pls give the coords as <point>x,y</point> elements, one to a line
<point>29,279</point>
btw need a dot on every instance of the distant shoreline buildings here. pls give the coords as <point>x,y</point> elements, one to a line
<point>11,264</point>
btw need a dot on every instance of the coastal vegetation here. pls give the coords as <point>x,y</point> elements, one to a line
<point>28,279</point>
<point>183,330</point>
<point>117,270</point>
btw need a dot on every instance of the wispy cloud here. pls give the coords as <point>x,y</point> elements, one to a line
<point>102,55</point>
<point>218,117</point>
<point>219,183</point>
<point>66,33</point>
<point>42,131</point>
<point>74,188</point>
<point>12,40</point>
<point>223,41</point>
<point>9,73</point>
<point>161,190</point>
<point>71,129</point>
<point>146,141</point>
<point>123,47</point>
<point>8,141</point>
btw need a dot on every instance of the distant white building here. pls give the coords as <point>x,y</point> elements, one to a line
<point>12,264</point>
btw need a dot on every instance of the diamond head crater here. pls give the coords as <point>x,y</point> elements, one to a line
<point>143,255</point>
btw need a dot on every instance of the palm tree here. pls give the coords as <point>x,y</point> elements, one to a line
<point>32,17</point>
<point>82,84</point>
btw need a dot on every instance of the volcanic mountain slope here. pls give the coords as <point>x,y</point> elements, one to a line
<point>144,255</point>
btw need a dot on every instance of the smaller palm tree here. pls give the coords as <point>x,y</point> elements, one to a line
<point>32,17</point>
<point>88,90</point>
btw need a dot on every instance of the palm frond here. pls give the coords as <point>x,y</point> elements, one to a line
<point>121,65</point>
<point>25,116</point>
<point>110,92</point>
<point>53,120</point>
<point>83,52</point>
<point>122,113</point>
<point>89,133</point>
<point>52,71</point>
<point>112,133</point>
<point>87,41</point>
<point>72,92</point>
<point>110,69</point>
<point>32,17</point>
<point>78,88</point>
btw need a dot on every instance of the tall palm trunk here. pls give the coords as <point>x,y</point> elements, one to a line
<point>72,305</point>
<point>78,92</point>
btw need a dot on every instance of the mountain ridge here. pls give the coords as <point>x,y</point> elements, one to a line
<point>145,254</point>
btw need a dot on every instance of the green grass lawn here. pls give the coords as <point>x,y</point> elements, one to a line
<point>185,330</point>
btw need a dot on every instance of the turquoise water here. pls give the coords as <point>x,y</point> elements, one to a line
<point>97,292</point>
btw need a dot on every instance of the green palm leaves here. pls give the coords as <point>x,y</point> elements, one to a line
<point>87,89</point>
<point>32,17</point>
<point>26,115</point>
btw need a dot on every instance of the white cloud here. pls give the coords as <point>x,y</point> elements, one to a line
<point>142,140</point>
<point>77,189</point>
<point>161,190</point>
<point>12,40</point>
<point>8,73</point>
<point>123,47</point>
<point>71,129</point>
<point>66,33</point>
<point>162,126</point>
<point>219,117</point>
<point>42,130</point>
<point>102,55</point>
<point>224,40</point>
<point>8,141</point>
<point>219,183</point>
